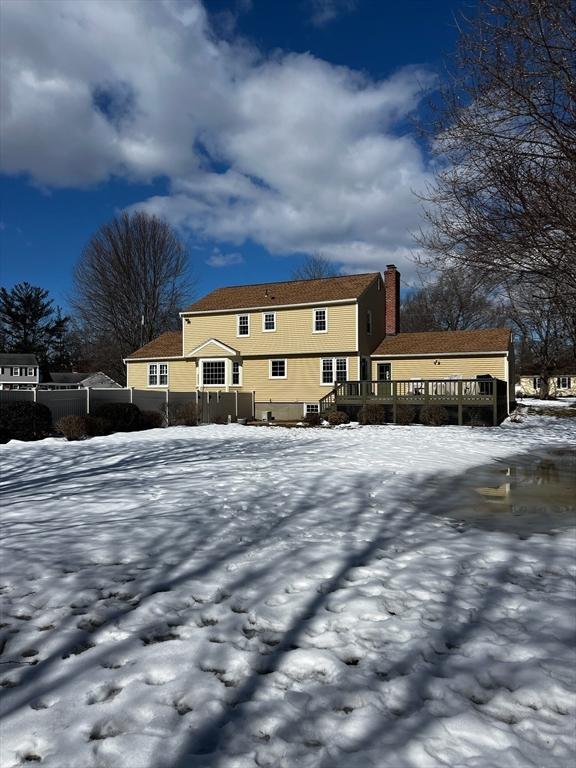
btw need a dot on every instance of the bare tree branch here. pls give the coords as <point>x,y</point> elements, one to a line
<point>504,138</point>
<point>130,282</point>
<point>313,268</point>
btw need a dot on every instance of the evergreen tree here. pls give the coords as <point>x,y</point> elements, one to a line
<point>29,322</point>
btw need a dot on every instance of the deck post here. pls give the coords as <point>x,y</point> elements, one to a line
<point>494,405</point>
<point>394,403</point>
<point>460,404</point>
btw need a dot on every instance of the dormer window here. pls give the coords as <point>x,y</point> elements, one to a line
<point>320,320</point>
<point>243,325</point>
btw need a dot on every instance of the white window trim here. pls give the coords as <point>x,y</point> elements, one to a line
<point>268,330</point>
<point>240,367</point>
<point>314,405</point>
<point>158,385</point>
<point>238,334</point>
<point>567,382</point>
<point>16,371</point>
<point>319,309</point>
<point>276,360</point>
<point>213,360</point>
<point>333,382</point>
<point>150,374</point>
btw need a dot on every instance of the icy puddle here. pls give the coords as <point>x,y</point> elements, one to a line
<point>527,494</point>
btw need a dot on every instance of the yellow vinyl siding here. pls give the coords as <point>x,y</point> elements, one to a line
<point>181,375</point>
<point>526,383</point>
<point>293,334</point>
<point>424,368</point>
<point>302,383</point>
<point>371,300</point>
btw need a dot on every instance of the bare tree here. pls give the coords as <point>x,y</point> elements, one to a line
<point>129,284</point>
<point>456,300</point>
<point>504,139</point>
<point>313,268</point>
<point>544,340</point>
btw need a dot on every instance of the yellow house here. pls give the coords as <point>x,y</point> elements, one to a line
<point>560,384</point>
<point>288,343</point>
<point>292,344</point>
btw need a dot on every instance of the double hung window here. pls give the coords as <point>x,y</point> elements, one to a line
<point>243,325</point>
<point>563,382</point>
<point>158,375</point>
<point>334,369</point>
<point>153,375</point>
<point>269,321</point>
<point>236,374</point>
<point>320,320</point>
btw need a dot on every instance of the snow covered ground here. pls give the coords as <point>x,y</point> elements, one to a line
<point>564,402</point>
<point>233,597</point>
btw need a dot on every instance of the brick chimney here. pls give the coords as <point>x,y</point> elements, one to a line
<point>392,293</point>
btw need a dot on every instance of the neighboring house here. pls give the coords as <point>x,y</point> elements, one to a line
<point>290,343</point>
<point>18,371</point>
<point>560,384</point>
<point>79,381</point>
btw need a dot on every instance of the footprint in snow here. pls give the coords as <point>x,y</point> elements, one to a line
<point>103,694</point>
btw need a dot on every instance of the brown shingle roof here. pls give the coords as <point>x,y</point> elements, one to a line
<point>279,294</point>
<point>167,345</point>
<point>445,342</point>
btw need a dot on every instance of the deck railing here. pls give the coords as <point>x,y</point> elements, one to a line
<point>458,392</point>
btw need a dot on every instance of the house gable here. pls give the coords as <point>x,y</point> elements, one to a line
<point>212,348</point>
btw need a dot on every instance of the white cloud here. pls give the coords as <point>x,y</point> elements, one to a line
<point>286,150</point>
<point>325,11</point>
<point>219,259</point>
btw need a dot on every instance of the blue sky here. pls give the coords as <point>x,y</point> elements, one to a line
<point>261,129</point>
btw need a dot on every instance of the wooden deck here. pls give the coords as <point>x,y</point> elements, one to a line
<point>489,394</point>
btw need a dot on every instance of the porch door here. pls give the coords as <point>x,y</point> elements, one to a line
<point>384,379</point>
